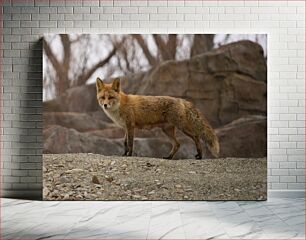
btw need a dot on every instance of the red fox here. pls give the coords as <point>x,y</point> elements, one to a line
<point>168,113</point>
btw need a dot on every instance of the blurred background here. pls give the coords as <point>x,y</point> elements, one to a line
<point>224,75</point>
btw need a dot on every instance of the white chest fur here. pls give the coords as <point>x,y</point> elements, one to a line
<point>115,117</point>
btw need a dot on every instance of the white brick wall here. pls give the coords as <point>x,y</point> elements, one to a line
<point>25,21</point>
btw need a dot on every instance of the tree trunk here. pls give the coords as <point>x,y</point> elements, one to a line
<point>202,43</point>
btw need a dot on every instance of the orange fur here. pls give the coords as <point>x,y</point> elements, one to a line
<point>168,113</point>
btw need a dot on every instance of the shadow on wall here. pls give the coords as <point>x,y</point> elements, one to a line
<point>30,143</point>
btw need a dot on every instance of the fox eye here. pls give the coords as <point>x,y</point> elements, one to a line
<point>102,98</point>
<point>111,98</point>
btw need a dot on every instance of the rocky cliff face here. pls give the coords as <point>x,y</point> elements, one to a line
<point>228,84</point>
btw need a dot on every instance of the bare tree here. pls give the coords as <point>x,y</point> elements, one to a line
<point>64,77</point>
<point>144,46</point>
<point>77,59</point>
<point>201,44</point>
<point>141,52</point>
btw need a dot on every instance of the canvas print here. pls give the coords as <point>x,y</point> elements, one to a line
<point>155,117</point>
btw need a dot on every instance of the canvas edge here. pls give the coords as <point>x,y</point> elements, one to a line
<point>36,194</point>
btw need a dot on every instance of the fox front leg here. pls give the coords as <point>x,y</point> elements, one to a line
<point>125,144</point>
<point>130,141</point>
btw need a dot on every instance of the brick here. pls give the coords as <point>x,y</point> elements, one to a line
<point>65,10</point>
<point>28,179</point>
<point>19,173</point>
<point>186,10</point>
<point>129,10</point>
<point>92,17</point>
<point>300,179</point>
<point>287,165</point>
<point>96,10</point>
<point>139,17</point>
<point>98,24</point>
<point>121,3</point>
<point>105,17</point>
<point>40,16</point>
<point>148,24</point>
<point>29,10</point>
<point>166,9</point>
<point>21,17</point>
<point>29,23</point>
<point>50,10</point>
<point>295,172</point>
<point>147,9</point>
<point>91,3</point>
<point>300,165</point>
<point>42,2</point>
<point>112,10</point>
<point>195,3</point>
<point>58,17</point>
<point>74,3</point>
<point>157,3</point>
<point>121,17</point>
<point>295,158</point>
<point>65,24</point>
<point>11,179</point>
<point>217,10</point>
<point>82,24</point>
<point>138,3</point>
<point>280,172</point>
<point>222,24</point>
<point>176,17</point>
<point>130,24</point>
<point>161,17</point>
<point>190,17</point>
<point>296,186</point>
<point>287,179</point>
<point>81,9</point>
<point>277,186</point>
<point>47,24</point>
<point>59,3</point>
<point>204,10</point>
<point>74,16</point>
<point>11,10</point>
<point>273,179</point>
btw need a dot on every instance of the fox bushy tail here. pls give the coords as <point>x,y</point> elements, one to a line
<point>203,128</point>
<point>210,138</point>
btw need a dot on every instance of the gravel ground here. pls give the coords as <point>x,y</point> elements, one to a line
<point>85,176</point>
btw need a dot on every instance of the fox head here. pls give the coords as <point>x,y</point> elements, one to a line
<point>108,95</point>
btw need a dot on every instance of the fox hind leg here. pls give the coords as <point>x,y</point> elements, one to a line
<point>199,147</point>
<point>170,132</point>
<point>197,142</point>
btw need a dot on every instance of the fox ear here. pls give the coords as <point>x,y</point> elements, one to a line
<point>99,84</point>
<point>116,85</point>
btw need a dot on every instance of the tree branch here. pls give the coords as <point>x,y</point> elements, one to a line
<point>202,43</point>
<point>85,76</point>
<point>172,45</point>
<point>161,45</point>
<point>151,59</point>
<point>55,63</point>
<point>67,51</point>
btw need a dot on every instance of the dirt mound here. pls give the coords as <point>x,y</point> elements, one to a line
<point>97,177</point>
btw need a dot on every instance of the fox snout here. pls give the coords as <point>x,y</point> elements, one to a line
<point>106,106</point>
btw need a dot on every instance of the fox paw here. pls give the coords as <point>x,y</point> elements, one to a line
<point>168,157</point>
<point>198,156</point>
